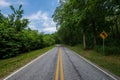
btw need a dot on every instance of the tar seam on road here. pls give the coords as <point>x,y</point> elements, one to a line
<point>73,65</point>
<point>26,65</point>
<point>95,66</point>
<point>59,66</point>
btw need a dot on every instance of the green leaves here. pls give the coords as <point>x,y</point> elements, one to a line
<point>16,18</point>
<point>86,19</point>
<point>17,38</point>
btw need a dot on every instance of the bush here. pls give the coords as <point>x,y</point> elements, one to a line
<point>15,38</point>
<point>109,50</point>
<point>112,50</point>
<point>9,49</point>
<point>48,40</point>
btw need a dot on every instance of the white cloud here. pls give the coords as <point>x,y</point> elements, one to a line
<point>20,2</point>
<point>4,3</point>
<point>61,0</point>
<point>49,29</point>
<point>38,16</point>
<point>32,26</point>
<point>42,22</point>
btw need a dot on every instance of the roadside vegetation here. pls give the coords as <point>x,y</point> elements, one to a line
<point>82,21</point>
<point>109,63</point>
<point>11,64</point>
<point>16,37</point>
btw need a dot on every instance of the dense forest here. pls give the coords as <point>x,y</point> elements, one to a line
<point>16,37</point>
<point>82,21</point>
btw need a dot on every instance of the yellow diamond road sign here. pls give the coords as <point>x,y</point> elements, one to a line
<point>103,35</point>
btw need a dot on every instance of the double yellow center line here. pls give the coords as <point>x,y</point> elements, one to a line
<point>59,67</point>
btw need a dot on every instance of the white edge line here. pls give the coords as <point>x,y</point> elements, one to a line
<point>95,66</point>
<point>27,64</point>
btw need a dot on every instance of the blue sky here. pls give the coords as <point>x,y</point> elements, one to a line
<point>38,12</point>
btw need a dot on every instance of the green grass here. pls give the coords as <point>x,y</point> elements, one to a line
<point>9,65</point>
<point>110,63</point>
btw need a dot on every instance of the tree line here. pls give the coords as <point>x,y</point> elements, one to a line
<point>82,21</point>
<point>17,38</point>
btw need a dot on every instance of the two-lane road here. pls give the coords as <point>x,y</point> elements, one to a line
<point>60,63</point>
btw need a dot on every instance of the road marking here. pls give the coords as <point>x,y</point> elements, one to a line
<point>59,67</point>
<point>94,65</point>
<point>26,65</point>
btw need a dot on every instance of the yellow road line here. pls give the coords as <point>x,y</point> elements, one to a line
<point>57,69</point>
<point>59,66</point>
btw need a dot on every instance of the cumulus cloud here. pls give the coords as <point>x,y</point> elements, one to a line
<point>61,0</point>
<point>38,16</point>
<point>49,29</point>
<point>42,22</point>
<point>20,2</point>
<point>4,3</point>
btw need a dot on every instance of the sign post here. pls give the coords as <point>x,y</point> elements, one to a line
<point>103,45</point>
<point>103,35</point>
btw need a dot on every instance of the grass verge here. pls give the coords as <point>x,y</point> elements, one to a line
<point>110,63</point>
<point>9,65</point>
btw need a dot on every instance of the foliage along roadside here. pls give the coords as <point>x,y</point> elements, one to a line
<point>17,38</point>
<point>82,21</point>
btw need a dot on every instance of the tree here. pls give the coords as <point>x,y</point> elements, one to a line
<point>86,19</point>
<point>17,38</point>
<point>16,18</point>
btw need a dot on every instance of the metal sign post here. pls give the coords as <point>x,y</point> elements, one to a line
<point>103,35</point>
<point>103,45</point>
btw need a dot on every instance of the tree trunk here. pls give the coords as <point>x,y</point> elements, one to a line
<point>84,39</point>
<point>95,42</point>
<point>112,30</point>
<point>94,34</point>
<point>117,29</point>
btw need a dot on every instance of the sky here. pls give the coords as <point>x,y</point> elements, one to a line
<point>39,12</point>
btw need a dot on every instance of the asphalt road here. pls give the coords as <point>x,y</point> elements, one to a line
<point>60,63</point>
